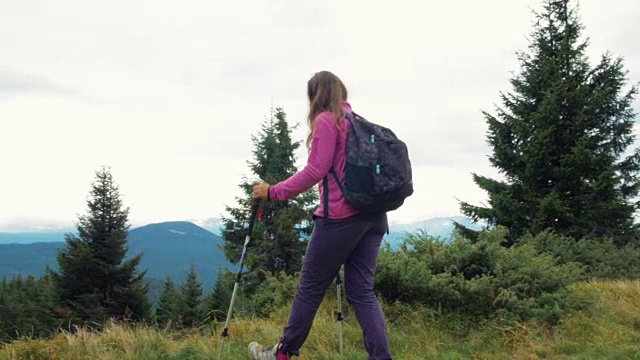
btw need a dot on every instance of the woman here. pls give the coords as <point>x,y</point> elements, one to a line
<point>344,237</point>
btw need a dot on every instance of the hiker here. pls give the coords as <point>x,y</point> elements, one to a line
<point>341,235</point>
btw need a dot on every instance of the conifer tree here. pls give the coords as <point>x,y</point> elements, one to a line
<point>216,302</point>
<point>95,280</point>
<point>26,307</point>
<point>191,295</point>
<point>169,305</point>
<point>561,140</point>
<point>279,240</point>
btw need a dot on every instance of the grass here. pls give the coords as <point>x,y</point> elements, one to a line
<point>609,329</point>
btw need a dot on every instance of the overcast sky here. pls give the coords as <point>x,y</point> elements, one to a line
<point>169,93</point>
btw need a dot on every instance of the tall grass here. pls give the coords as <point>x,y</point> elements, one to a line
<point>608,329</point>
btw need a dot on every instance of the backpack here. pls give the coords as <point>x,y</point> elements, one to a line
<point>378,175</point>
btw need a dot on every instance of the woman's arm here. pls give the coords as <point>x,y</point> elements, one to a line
<point>323,147</point>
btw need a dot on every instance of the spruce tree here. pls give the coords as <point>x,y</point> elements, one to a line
<point>279,240</point>
<point>216,303</point>
<point>26,307</point>
<point>5,312</point>
<point>191,299</point>
<point>169,305</point>
<point>560,140</point>
<point>95,281</point>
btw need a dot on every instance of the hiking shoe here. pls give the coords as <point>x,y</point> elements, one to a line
<point>259,352</point>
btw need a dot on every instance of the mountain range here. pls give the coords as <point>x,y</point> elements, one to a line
<point>29,232</point>
<point>169,248</point>
<point>440,227</point>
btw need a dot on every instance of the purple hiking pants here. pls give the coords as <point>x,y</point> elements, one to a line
<point>354,242</point>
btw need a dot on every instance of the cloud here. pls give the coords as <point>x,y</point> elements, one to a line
<point>170,93</point>
<point>14,82</point>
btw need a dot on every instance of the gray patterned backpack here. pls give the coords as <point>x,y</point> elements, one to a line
<point>378,174</point>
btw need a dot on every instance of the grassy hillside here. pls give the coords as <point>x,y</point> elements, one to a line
<point>610,329</point>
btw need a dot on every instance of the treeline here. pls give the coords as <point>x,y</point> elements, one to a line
<point>565,207</point>
<point>29,307</point>
<point>97,281</point>
<point>564,211</point>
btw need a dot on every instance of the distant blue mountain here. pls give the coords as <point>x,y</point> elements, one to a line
<point>169,249</point>
<point>440,227</point>
<point>30,237</point>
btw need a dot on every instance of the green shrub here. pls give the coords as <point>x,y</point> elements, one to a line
<point>217,302</point>
<point>26,308</point>
<point>274,293</point>
<point>601,258</point>
<point>480,278</point>
<point>254,299</point>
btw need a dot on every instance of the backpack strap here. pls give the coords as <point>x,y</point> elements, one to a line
<point>325,180</point>
<point>350,117</point>
<point>325,184</point>
<point>335,176</point>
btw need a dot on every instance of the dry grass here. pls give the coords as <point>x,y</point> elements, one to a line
<point>610,329</point>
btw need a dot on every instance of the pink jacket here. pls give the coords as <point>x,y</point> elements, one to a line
<point>328,148</point>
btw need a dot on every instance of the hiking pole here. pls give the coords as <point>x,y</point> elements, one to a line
<point>252,220</point>
<point>340,318</point>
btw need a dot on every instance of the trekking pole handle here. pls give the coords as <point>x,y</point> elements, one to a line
<point>256,211</point>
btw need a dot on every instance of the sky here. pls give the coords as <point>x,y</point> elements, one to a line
<point>168,94</point>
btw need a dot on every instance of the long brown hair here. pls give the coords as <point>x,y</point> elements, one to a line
<point>326,92</point>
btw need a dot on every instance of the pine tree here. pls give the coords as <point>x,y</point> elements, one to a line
<point>192,299</point>
<point>26,307</point>
<point>560,141</point>
<point>169,305</point>
<point>12,307</point>
<point>95,281</point>
<point>279,240</point>
<point>5,313</point>
<point>37,311</point>
<point>216,303</point>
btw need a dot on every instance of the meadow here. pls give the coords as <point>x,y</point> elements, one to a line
<point>609,328</point>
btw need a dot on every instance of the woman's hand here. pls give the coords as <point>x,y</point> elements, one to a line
<point>260,191</point>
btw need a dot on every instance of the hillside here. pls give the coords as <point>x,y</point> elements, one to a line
<point>168,248</point>
<point>30,237</point>
<point>610,329</point>
<point>27,258</point>
<point>441,227</point>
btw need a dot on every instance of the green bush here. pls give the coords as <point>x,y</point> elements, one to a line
<point>216,303</point>
<point>274,293</point>
<point>253,298</point>
<point>480,278</point>
<point>601,258</point>
<point>26,308</point>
